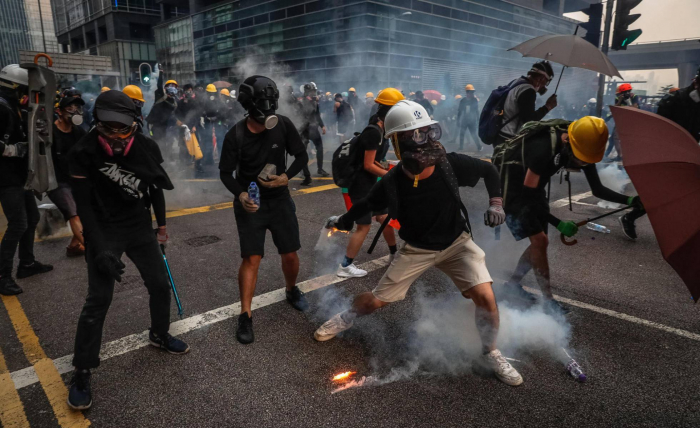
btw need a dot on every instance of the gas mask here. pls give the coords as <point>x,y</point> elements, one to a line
<point>116,141</point>
<point>75,116</point>
<point>212,97</point>
<point>263,112</point>
<point>171,91</point>
<point>419,149</point>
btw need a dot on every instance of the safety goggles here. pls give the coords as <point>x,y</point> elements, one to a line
<point>115,133</point>
<point>422,135</point>
<point>265,104</point>
<point>171,90</point>
<point>138,104</point>
<point>73,109</point>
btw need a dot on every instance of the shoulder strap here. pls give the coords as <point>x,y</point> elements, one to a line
<point>239,137</point>
<point>450,178</point>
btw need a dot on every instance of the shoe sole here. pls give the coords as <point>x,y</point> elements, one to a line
<point>159,346</point>
<point>244,342</point>
<point>320,338</point>
<point>22,276</point>
<point>619,219</point>
<point>349,275</point>
<point>12,294</point>
<point>508,381</point>
<point>87,406</point>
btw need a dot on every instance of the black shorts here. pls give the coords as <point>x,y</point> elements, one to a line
<point>523,222</point>
<point>276,215</point>
<point>358,193</point>
<point>62,197</point>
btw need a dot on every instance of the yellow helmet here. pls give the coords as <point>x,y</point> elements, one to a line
<point>211,88</point>
<point>433,103</point>
<point>225,92</point>
<point>171,82</point>
<point>469,87</point>
<point>389,96</point>
<point>457,97</point>
<point>328,93</point>
<point>369,95</point>
<point>134,92</point>
<point>587,137</point>
<point>351,90</point>
<point>104,89</point>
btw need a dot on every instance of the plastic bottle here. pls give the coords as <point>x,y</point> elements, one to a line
<point>597,227</point>
<point>575,370</point>
<point>254,193</point>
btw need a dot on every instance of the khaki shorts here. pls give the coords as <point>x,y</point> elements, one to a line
<point>463,261</point>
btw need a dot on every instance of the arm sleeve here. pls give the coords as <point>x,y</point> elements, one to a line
<point>160,93</point>
<point>599,190</point>
<point>300,160</point>
<point>231,183</point>
<point>229,162</point>
<point>526,107</point>
<point>82,193</point>
<point>158,204</point>
<point>376,200</point>
<point>470,170</point>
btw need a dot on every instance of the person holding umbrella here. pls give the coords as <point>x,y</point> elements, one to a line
<point>683,107</point>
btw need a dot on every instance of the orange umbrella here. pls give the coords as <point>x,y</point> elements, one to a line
<point>432,95</point>
<point>221,84</point>
<point>663,161</point>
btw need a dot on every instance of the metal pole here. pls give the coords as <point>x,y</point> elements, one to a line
<point>604,48</point>
<point>41,19</point>
<point>388,57</point>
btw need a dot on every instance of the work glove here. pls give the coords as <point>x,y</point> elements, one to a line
<point>495,215</point>
<point>110,265</point>
<point>248,203</point>
<point>17,150</point>
<point>567,228</point>
<point>162,236</point>
<point>275,181</point>
<point>201,121</point>
<point>332,222</point>
<point>636,202</point>
<point>551,102</point>
<point>188,134</point>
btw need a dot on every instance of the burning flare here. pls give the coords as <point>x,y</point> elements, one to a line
<point>343,376</point>
<point>334,230</point>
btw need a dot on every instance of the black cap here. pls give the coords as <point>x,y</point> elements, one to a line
<point>115,106</point>
<point>66,101</point>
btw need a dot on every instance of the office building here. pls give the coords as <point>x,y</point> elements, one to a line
<point>25,25</point>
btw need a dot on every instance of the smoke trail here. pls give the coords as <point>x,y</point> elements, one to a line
<point>614,178</point>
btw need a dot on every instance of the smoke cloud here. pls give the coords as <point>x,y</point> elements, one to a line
<point>615,178</point>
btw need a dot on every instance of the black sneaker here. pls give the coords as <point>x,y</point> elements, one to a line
<point>306,182</point>
<point>513,291</point>
<point>80,396</point>
<point>244,333</point>
<point>322,172</point>
<point>8,286</point>
<point>33,269</point>
<point>296,298</point>
<point>169,343</point>
<point>628,227</point>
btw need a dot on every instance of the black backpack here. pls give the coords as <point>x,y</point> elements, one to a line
<point>491,119</point>
<point>346,162</point>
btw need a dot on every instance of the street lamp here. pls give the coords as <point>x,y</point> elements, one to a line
<point>391,20</point>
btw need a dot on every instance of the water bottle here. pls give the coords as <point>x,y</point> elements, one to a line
<point>254,193</point>
<point>575,370</point>
<point>597,227</point>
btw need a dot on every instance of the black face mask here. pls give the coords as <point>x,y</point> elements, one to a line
<point>416,157</point>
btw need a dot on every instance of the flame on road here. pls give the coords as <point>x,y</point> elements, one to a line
<point>334,230</point>
<point>342,376</point>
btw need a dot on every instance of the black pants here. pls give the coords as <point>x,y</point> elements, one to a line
<point>463,127</point>
<point>314,137</point>
<point>22,216</point>
<point>141,246</point>
<point>205,136</point>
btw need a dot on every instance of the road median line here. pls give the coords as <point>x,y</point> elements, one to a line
<point>12,414</point>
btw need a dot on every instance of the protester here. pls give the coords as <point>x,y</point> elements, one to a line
<point>18,204</point>
<point>372,149</point>
<point>211,107</point>
<point>117,174</point>
<point>624,97</point>
<point>519,107</point>
<point>526,165</point>
<point>161,117</point>
<point>420,99</point>
<point>261,141</point>
<point>370,108</point>
<point>683,107</point>
<point>422,192</point>
<point>66,133</point>
<point>591,107</point>
<point>344,114</point>
<point>468,117</point>
<point>188,114</point>
<point>311,121</point>
<point>136,95</point>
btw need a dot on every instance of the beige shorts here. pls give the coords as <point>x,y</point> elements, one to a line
<point>463,261</point>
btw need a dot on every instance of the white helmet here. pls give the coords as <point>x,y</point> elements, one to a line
<point>13,75</point>
<point>443,98</point>
<point>592,101</point>
<point>301,88</point>
<point>405,116</point>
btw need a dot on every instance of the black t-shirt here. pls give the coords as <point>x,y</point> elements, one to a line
<point>371,138</point>
<point>249,156</point>
<point>120,183</point>
<point>62,143</point>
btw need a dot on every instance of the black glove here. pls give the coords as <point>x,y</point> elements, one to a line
<point>109,264</point>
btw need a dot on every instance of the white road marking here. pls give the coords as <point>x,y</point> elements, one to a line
<point>574,199</point>
<point>27,376</point>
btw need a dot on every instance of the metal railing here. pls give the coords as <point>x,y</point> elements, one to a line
<point>667,41</point>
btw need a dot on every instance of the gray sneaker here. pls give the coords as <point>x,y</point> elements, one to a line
<point>498,364</point>
<point>332,328</point>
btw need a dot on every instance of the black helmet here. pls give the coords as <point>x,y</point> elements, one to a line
<point>310,89</point>
<point>258,92</point>
<point>542,67</point>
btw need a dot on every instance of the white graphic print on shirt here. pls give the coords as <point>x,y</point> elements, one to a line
<point>125,179</point>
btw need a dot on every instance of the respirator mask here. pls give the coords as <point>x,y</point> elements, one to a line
<point>263,112</point>
<point>116,141</point>
<point>420,148</point>
<point>75,114</point>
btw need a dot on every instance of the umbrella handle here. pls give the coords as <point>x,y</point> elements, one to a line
<point>559,81</point>
<point>573,241</point>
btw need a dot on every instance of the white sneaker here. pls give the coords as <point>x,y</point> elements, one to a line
<point>496,362</point>
<point>391,258</point>
<point>332,328</point>
<point>351,271</point>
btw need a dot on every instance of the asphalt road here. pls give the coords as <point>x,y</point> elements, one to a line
<point>633,328</point>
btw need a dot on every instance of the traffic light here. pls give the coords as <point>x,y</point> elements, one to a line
<point>145,74</point>
<point>622,37</point>
<point>592,27</point>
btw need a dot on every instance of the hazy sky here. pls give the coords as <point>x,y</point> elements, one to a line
<point>662,20</point>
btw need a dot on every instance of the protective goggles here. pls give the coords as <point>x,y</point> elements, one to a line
<point>73,109</point>
<point>115,133</point>
<point>138,104</point>
<point>421,135</point>
<point>265,104</point>
<point>171,90</point>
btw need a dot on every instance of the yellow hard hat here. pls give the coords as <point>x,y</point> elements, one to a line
<point>134,92</point>
<point>433,102</point>
<point>104,89</point>
<point>469,87</point>
<point>369,95</point>
<point>225,91</point>
<point>171,82</point>
<point>587,137</point>
<point>328,93</point>
<point>211,88</point>
<point>389,96</point>
<point>351,90</point>
<point>458,96</point>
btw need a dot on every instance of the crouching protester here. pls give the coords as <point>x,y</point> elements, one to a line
<point>526,164</point>
<point>256,148</point>
<point>422,192</point>
<point>117,175</point>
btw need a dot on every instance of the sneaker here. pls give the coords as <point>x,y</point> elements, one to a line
<point>33,269</point>
<point>391,258</point>
<point>8,286</point>
<point>296,298</point>
<point>498,364</point>
<point>306,181</point>
<point>169,343</point>
<point>556,309</point>
<point>332,328</point>
<point>628,227</point>
<point>244,333</point>
<point>516,291</point>
<point>80,396</point>
<point>322,173</point>
<point>75,251</point>
<point>350,271</point>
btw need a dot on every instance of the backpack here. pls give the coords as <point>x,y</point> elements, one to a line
<point>345,163</point>
<point>491,118</point>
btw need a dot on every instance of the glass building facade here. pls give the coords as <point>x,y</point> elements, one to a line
<point>25,25</point>
<point>174,49</point>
